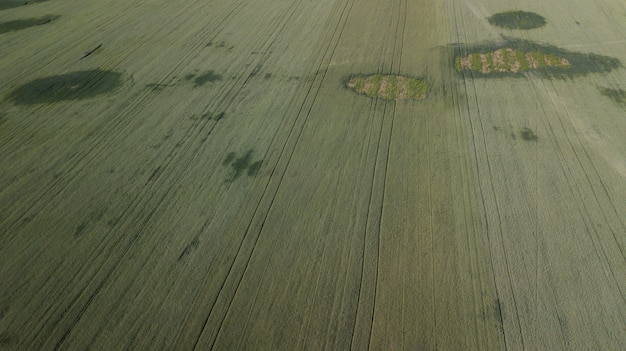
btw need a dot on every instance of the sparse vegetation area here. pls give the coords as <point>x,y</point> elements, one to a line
<point>388,87</point>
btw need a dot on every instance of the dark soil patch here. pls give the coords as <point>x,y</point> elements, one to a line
<point>71,86</point>
<point>517,20</point>
<point>11,26</point>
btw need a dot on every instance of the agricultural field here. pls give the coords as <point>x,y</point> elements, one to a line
<point>332,174</point>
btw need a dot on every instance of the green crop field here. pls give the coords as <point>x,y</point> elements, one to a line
<point>332,174</point>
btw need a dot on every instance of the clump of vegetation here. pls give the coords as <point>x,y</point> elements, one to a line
<point>517,20</point>
<point>209,76</point>
<point>8,4</point>
<point>529,135</point>
<point>510,60</point>
<point>69,86</point>
<point>388,87</point>
<point>6,27</point>
<point>617,95</point>
<point>511,57</point>
<point>241,165</point>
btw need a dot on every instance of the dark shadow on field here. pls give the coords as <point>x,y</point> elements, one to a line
<point>581,64</point>
<point>69,86</point>
<point>11,26</point>
<point>9,4</point>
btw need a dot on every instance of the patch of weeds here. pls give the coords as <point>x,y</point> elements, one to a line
<point>241,165</point>
<point>70,86</point>
<point>388,87</point>
<point>189,249</point>
<point>7,340</point>
<point>418,88</point>
<point>506,59</point>
<point>514,57</point>
<point>9,4</point>
<point>521,58</point>
<point>552,60</point>
<point>208,77</point>
<point>374,85</point>
<point>517,20</point>
<point>229,158</point>
<point>528,135</point>
<point>254,168</point>
<point>392,88</point>
<point>489,59</point>
<point>359,83</point>
<point>457,63</point>
<point>476,64</point>
<point>617,95</point>
<point>6,27</point>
